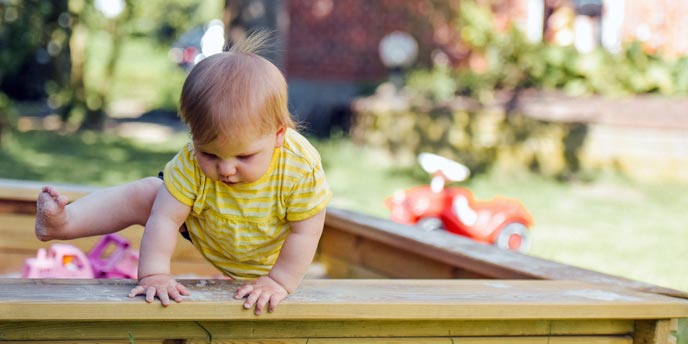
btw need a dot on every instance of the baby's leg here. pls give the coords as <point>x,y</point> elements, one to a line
<point>101,212</point>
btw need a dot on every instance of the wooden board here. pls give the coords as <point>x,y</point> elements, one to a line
<point>18,242</point>
<point>370,246</point>
<point>363,238</point>
<point>341,311</point>
<point>22,299</point>
<point>25,190</point>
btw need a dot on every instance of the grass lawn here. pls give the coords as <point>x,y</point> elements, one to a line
<point>613,225</point>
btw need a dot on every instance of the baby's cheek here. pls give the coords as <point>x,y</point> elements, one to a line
<point>207,169</point>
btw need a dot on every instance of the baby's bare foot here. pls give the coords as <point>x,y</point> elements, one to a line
<point>51,215</point>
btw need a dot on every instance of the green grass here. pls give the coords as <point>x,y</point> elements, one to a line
<point>85,158</point>
<point>612,225</point>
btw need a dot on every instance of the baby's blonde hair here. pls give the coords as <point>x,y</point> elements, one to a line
<point>237,95</point>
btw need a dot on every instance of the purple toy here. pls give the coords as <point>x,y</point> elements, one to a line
<point>112,257</point>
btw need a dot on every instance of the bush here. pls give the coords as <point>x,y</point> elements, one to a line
<point>511,62</point>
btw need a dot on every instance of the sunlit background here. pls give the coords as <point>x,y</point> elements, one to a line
<point>576,108</point>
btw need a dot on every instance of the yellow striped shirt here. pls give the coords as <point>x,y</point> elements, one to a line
<point>241,228</point>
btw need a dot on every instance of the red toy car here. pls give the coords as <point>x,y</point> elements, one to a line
<point>502,222</point>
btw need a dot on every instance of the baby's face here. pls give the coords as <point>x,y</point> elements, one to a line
<point>233,162</point>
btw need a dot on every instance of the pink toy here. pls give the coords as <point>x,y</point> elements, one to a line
<point>112,257</point>
<point>60,261</point>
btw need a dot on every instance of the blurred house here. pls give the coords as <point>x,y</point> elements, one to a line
<point>328,49</point>
<point>658,25</point>
<point>332,51</point>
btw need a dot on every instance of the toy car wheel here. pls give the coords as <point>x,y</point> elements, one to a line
<point>430,224</point>
<point>513,236</point>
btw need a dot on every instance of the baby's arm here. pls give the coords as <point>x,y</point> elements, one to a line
<point>157,246</point>
<point>296,255</point>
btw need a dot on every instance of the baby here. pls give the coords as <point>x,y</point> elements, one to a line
<point>248,191</point>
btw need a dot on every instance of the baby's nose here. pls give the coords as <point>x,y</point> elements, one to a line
<point>227,168</point>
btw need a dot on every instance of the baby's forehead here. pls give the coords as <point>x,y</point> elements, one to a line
<point>241,138</point>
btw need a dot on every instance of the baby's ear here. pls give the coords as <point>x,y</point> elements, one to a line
<point>279,136</point>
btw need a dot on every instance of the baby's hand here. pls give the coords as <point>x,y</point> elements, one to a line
<point>263,291</point>
<point>163,286</point>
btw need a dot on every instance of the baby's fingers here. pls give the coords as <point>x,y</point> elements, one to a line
<point>252,298</point>
<point>243,291</point>
<point>174,294</point>
<point>138,290</point>
<point>261,302</point>
<point>182,290</point>
<point>275,299</point>
<point>162,294</point>
<point>150,294</point>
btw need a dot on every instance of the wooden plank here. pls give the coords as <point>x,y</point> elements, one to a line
<point>467,255</point>
<point>18,243</point>
<point>419,340</point>
<point>341,299</point>
<point>96,330</point>
<point>13,263</point>
<point>17,233</point>
<point>17,207</point>
<point>490,340</point>
<point>25,190</point>
<point>479,340</point>
<point>381,258</point>
<point>341,268</point>
<point>652,332</point>
<point>119,341</point>
<point>417,328</point>
<point>254,341</point>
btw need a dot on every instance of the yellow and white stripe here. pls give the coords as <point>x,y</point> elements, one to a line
<point>241,228</point>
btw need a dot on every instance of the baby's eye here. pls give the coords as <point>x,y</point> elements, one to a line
<point>209,155</point>
<point>245,157</point>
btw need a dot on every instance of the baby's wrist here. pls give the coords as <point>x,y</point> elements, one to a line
<point>151,274</point>
<point>277,280</point>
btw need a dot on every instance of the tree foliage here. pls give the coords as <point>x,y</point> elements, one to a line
<point>506,60</point>
<point>33,47</point>
<point>44,48</point>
